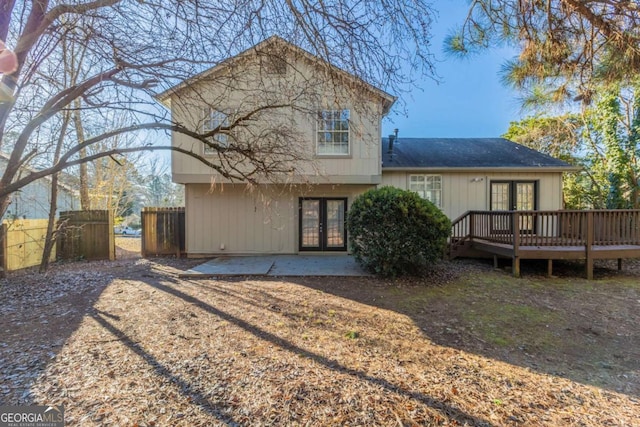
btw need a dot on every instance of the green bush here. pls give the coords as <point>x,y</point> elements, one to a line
<point>395,232</point>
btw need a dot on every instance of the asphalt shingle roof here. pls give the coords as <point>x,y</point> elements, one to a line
<point>463,153</point>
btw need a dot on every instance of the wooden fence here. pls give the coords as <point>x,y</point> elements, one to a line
<point>23,243</point>
<point>162,231</point>
<point>87,235</point>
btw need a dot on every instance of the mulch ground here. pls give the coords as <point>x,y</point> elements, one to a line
<point>127,343</point>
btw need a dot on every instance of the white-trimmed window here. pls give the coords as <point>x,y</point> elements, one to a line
<point>214,119</point>
<point>333,133</point>
<point>428,187</point>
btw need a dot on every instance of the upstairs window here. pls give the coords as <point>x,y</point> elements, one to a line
<point>213,119</point>
<point>333,132</point>
<point>428,187</point>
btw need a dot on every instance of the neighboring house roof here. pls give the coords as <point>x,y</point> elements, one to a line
<point>64,179</point>
<point>270,43</point>
<point>465,153</point>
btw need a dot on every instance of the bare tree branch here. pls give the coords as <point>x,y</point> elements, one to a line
<point>130,48</point>
<point>566,47</point>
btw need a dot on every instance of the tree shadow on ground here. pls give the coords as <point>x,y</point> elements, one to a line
<point>171,287</point>
<point>566,326</point>
<point>50,338</point>
<point>39,315</point>
<point>469,311</point>
<point>40,312</point>
<point>195,394</point>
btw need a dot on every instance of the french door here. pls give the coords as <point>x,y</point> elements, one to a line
<point>514,196</point>
<point>323,224</point>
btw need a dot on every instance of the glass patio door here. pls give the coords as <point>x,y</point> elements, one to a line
<point>323,224</point>
<point>514,196</point>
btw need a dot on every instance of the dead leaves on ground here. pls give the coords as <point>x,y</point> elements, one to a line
<point>147,349</point>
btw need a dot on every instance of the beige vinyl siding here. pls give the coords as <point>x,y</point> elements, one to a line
<point>240,222</point>
<point>362,164</point>
<point>464,191</point>
<point>264,221</point>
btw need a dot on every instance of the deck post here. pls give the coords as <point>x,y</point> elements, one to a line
<point>589,246</point>
<point>549,267</point>
<point>515,266</point>
<point>619,264</point>
<point>515,227</point>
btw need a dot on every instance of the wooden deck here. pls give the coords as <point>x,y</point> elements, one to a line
<point>550,235</point>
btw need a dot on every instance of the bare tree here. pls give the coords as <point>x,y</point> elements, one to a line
<point>158,190</point>
<point>53,207</point>
<point>130,48</point>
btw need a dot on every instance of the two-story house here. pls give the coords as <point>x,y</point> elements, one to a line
<point>308,136</point>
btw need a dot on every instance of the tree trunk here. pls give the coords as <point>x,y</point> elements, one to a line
<point>85,201</point>
<point>635,199</point>
<point>50,238</point>
<point>5,18</point>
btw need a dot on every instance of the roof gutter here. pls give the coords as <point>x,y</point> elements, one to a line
<point>498,169</point>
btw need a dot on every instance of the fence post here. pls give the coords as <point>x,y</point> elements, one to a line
<point>176,232</point>
<point>112,237</point>
<point>143,217</point>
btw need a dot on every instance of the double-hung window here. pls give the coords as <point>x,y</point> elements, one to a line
<point>333,133</point>
<point>215,119</point>
<point>428,187</point>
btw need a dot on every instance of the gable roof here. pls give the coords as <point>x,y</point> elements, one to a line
<point>268,44</point>
<point>466,153</point>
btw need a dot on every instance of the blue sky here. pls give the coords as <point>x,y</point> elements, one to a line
<point>469,101</point>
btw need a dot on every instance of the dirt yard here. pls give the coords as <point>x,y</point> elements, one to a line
<point>127,343</point>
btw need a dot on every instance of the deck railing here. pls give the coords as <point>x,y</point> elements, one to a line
<point>550,228</point>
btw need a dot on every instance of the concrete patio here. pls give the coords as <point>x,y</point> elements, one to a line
<point>277,265</point>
